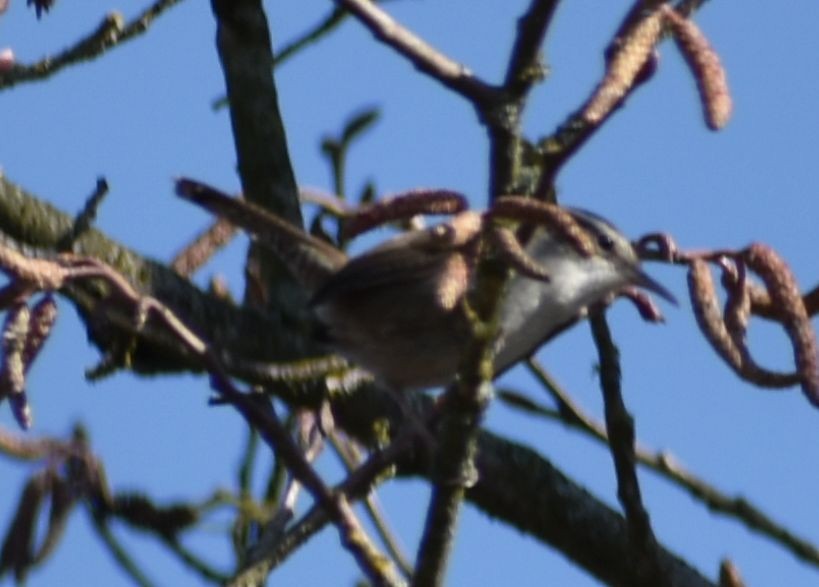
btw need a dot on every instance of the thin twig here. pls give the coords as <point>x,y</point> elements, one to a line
<point>350,457</point>
<point>525,67</point>
<point>627,67</point>
<point>100,524</point>
<point>421,54</point>
<point>326,25</point>
<point>311,442</point>
<point>358,484</point>
<point>247,463</point>
<point>85,218</point>
<point>259,414</point>
<point>620,426</point>
<point>110,33</point>
<point>668,466</point>
<point>194,562</point>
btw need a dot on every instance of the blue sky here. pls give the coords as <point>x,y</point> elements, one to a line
<point>141,115</point>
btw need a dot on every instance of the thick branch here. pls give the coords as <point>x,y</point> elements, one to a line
<point>557,511</point>
<point>666,465</point>
<point>243,43</point>
<point>27,222</point>
<point>562,514</point>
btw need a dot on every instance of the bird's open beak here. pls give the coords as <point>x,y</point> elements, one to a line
<point>643,280</point>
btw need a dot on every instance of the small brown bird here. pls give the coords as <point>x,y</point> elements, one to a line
<point>396,309</point>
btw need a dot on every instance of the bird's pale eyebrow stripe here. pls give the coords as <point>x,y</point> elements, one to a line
<point>584,218</point>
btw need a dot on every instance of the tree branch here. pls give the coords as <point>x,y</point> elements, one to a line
<point>318,31</point>
<point>422,55</point>
<point>562,514</point>
<point>118,551</point>
<point>667,466</point>
<point>507,174</point>
<point>620,427</point>
<point>569,519</point>
<point>243,43</point>
<point>36,228</point>
<point>463,406</point>
<point>111,32</point>
<point>524,67</point>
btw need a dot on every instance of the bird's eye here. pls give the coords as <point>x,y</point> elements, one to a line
<point>605,241</point>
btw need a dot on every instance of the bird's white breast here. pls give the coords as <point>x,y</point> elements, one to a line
<point>531,310</point>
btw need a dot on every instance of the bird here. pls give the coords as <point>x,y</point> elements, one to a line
<point>397,310</point>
